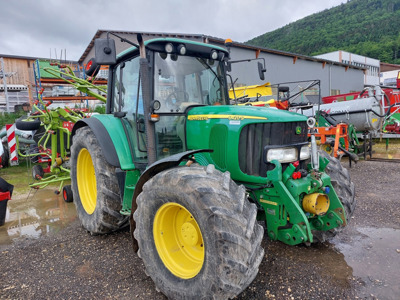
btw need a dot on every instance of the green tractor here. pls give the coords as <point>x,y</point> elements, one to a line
<point>193,175</point>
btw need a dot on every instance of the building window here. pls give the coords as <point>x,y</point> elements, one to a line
<point>335,92</point>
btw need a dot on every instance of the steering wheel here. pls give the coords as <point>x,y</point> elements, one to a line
<point>174,99</point>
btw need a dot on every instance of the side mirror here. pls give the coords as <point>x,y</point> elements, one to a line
<point>105,53</point>
<point>261,71</point>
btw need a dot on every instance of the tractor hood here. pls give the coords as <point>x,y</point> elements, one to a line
<point>239,113</point>
<point>240,133</point>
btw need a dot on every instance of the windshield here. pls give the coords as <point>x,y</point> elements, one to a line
<point>181,81</point>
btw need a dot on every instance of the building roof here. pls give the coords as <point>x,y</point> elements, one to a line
<point>207,38</point>
<point>389,67</point>
<point>33,58</point>
<point>295,56</point>
<point>20,57</point>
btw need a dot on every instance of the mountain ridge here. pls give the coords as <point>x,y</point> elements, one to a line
<point>365,27</point>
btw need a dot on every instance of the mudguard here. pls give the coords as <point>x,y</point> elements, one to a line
<point>160,165</point>
<point>102,137</point>
<point>112,139</point>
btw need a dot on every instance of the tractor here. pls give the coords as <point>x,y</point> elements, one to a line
<point>193,175</point>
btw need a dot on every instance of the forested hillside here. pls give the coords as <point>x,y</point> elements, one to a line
<point>365,27</point>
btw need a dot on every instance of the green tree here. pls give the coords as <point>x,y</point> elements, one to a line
<point>365,27</point>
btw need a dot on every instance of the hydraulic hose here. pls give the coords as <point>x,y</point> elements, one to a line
<point>386,113</point>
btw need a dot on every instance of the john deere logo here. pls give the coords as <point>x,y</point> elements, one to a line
<point>298,130</point>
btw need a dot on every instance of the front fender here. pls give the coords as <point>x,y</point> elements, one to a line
<point>112,139</point>
<point>102,137</point>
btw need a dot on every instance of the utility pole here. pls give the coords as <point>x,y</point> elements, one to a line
<point>3,72</point>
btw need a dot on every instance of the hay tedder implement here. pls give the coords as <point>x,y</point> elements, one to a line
<point>52,130</point>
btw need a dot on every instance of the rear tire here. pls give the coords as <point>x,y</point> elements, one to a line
<point>344,188</point>
<point>94,186</point>
<point>226,250</point>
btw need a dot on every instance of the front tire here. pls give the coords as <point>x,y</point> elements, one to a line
<point>197,233</point>
<point>344,188</point>
<point>94,186</point>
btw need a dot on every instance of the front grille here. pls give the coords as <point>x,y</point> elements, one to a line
<point>254,137</point>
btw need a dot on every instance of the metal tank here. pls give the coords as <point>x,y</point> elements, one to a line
<point>365,114</point>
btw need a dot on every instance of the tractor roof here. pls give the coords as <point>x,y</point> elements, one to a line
<point>172,40</point>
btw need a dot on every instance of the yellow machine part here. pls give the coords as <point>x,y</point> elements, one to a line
<point>86,179</point>
<point>252,91</point>
<point>269,103</point>
<point>178,240</point>
<point>316,203</point>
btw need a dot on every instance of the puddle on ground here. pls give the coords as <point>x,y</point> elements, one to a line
<point>34,216</point>
<point>373,254</point>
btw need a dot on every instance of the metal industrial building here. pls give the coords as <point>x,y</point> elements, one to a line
<point>335,77</point>
<point>371,65</point>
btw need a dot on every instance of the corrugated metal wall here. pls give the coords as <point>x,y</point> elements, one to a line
<point>284,69</point>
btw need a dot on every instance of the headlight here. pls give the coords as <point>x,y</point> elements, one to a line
<point>181,49</point>
<point>169,47</point>
<point>283,155</point>
<point>214,54</point>
<point>305,152</point>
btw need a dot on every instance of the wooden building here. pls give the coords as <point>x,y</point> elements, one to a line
<point>22,86</point>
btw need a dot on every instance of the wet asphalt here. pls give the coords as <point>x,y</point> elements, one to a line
<point>363,261</point>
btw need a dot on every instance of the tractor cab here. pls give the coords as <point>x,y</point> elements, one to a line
<point>182,75</point>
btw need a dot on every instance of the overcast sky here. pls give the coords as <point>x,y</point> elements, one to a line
<point>33,27</point>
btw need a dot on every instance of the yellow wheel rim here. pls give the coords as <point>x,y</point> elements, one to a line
<point>86,179</point>
<point>178,240</point>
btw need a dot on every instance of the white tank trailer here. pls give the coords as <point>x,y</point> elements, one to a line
<point>366,114</point>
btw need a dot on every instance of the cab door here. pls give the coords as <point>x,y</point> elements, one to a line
<point>127,98</point>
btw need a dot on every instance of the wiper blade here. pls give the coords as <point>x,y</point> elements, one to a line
<point>203,61</point>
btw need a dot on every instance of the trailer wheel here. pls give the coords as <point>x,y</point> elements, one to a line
<point>27,124</point>
<point>344,188</point>
<point>37,172</point>
<point>197,233</point>
<point>92,68</point>
<point>67,193</point>
<point>94,186</point>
